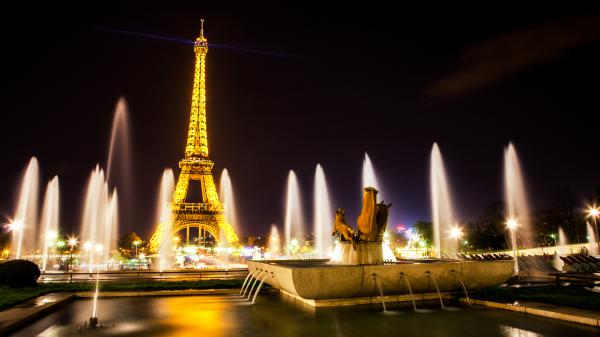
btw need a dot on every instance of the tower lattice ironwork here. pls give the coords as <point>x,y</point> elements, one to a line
<point>207,215</point>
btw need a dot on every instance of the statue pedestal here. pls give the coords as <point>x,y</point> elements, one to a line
<point>365,253</point>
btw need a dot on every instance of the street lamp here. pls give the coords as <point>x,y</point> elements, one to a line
<point>72,243</point>
<point>17,227</point>
<point>593,212</point>
<point>456,233</point>
<point>136,243</point>
<point>512,225</point>
<point>51,237</point>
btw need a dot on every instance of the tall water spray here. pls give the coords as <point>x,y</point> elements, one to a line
<point>592,239</point>
<point>274,242</point>
<point>49,222</point>
<point>118,168</point>
<point>24,224</point>
<point>99,223</point>
<point>226,194</point>
<point>517,209</point>
<point>441,204</point>
<point>560,249</point>
<point>369,179</point>
<point>293,224</point>
<point>163,218</point>
<point>323,216</point>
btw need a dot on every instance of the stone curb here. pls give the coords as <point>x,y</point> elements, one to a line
<point>529,308</point>
<point>32,314</point>
<point>184,292</point>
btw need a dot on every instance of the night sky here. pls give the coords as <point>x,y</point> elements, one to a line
<point>325,86</point>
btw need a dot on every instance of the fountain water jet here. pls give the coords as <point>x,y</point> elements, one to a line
<point>274,242</point>
<point>293,224</point>
<point>562,242</point>
<point>441,204</point>
<point>322,214</point>
<point>163,218</point>
<point>118,167</point>
<point>226,193</point>
<point>517,208</point>
<point>24,223</point>
<point>49,224</point>
<point>99,223</point>
<point>369,179</point>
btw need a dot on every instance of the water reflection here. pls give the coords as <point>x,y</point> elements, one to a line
<point>273,315</point>
<point>511,331</point>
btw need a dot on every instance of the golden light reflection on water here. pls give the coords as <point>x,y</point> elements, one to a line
<point>510,331</point>
<point>203,316</point>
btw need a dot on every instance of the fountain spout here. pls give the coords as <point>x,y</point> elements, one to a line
<point>259,286</point>
<point>380,291</point>
<point>437,289</point>
<point>412,297</point>
<point>245,280</point>
<point>459,278</point>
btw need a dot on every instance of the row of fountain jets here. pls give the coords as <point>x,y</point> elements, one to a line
<point>443,216</point>
<point>99,223</point>
<point>100,216</point>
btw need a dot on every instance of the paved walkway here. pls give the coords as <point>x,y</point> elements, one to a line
<point>574,315</point>
<point>21,314</point>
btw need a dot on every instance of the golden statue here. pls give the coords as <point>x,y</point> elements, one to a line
<point>372,220</point>
<point>346,232</point>
<point>367,221</point>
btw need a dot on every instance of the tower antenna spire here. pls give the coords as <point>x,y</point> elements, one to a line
<point>201,27</point>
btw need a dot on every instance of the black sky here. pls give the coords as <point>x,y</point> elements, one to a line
<point>351,81</point>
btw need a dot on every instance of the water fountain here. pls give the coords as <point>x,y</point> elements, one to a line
<point>369,179</point>
<point>49,224</point>
<point>118,167</point>
<point>517,209</point>
<point>350,280</point>
<point>322,214</point>
<point>294,222</point>
<point>24,223</point>
<point>226,194</point>
<point>562,242</point>
<point>274,242</point>
<point>441,205</point>
<point>163,218</point>
<point>100,219</point>
<point>360,273</point>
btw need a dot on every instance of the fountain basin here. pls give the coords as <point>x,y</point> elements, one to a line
<point>319,280</point>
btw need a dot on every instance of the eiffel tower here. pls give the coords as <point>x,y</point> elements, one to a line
<point>207,215</point>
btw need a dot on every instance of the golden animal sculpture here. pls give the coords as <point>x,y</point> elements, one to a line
<point>372,220</point>
<point>341,227</point>
<point>367,219</point>
<point>381,217</point>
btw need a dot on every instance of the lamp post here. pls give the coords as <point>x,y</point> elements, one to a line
<point>512,225</point>
<point>72,243</point>
<point>51,237</point>
<point>136,243</point>
<point>456,233</point>
<point>17,227</point>
<point>593,212</point>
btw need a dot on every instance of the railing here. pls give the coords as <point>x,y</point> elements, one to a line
<point>135,275</point>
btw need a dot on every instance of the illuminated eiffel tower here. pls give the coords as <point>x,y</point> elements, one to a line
<point>208,214</point>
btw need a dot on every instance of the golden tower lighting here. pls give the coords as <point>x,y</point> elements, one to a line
<point>208,214</point>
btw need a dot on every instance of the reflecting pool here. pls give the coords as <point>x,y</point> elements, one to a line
<point>275,315</point>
